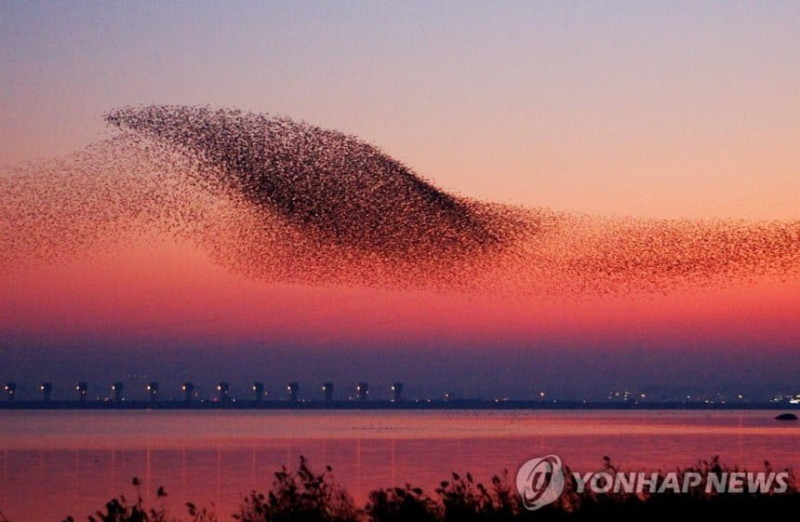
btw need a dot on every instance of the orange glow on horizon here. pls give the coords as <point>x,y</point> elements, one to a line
<point>174,294</point>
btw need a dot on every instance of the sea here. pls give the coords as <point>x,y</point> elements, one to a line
<point>55,464</point>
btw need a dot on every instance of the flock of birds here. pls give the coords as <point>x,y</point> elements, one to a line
<point>280,200</point>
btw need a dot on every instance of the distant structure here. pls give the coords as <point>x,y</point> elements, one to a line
<point>152,391</point>
<point>258,391</point>
<point>188,391</point>
<point>397,392</point>
<point>116,391</point>
<point>450,396</point>
<point>293,388</point>
<point>82,389</point>
<point>11,390</point>
<point>224,390</point>
<point>47,389</point>
<point>327,389</point>
<point>362,391</point>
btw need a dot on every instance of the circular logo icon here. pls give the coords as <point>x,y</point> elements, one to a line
<point>540,481</point>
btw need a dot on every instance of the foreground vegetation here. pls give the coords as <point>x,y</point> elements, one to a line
<point>302,495</point>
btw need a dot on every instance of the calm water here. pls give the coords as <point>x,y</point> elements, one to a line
<point>54,464</point>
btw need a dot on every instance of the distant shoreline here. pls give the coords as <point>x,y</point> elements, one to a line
<point>462,404</point>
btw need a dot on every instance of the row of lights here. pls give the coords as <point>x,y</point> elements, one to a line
<point>223,388</point>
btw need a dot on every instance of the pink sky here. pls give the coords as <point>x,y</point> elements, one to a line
<point>174,292</point>
<point>686,110</point>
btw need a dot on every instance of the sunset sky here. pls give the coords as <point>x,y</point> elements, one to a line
<point>648,109</point>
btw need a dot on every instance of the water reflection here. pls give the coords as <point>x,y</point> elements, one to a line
<point>77,460</point>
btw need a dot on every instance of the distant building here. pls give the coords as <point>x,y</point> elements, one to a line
<point>188,391</point>
<point>397,392</point>
<point>116,391</point>
<point>152,391</point>
<point>82,389</point>
<point>327,389</point>
<point>11,390</point>
<point>362,391</point>
<point>294,389</point>
<point>450,396</point>
<point>47,389</point>
<point>224,390</point>
<point>258,391</point>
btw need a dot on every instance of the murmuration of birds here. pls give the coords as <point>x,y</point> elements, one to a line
<point>285,201</point>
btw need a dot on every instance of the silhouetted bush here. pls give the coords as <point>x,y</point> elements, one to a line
<point>306,496</point>
<point>300,495</point>
<point>462,499</point>
<point>119,510</point>
<point>400,504</point>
